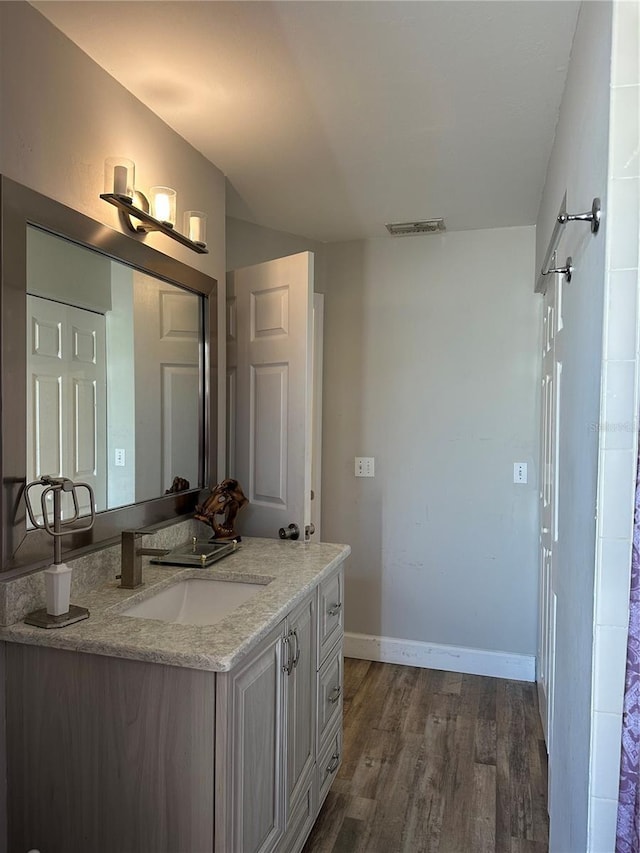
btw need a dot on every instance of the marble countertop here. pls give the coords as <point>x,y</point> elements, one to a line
<point>290,570</point>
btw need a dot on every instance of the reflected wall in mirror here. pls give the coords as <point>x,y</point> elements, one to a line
<point>107,374</point>
<point>113,378</point>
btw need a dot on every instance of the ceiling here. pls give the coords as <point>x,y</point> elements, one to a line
<point>330,119</point>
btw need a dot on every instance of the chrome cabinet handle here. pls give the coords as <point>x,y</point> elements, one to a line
<point>332,611</point>
<point>296,658</point>
<point>332,766</point>
<point>287,667</point>
<point>335,695</point>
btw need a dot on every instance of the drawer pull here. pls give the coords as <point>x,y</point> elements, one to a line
<point>333,611</point>
<point>335,695</point>
<point>332,766</point>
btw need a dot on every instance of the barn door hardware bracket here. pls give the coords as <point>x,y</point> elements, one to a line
<point>593,216</point>
<point>566,271</point>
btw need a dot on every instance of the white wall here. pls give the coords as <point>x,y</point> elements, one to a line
<point>431,366</point>
<point>121,391</point>
<point>59,270</point>
<point>578,166</point>
<point>252,244</point>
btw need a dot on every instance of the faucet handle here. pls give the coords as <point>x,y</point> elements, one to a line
<point>131,534</point>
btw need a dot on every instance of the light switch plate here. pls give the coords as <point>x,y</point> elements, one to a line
<point>365,466</point>
<point>119,457</point>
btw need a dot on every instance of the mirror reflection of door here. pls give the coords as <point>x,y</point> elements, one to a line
<point>66,368</point>
<point>114,372</point>
<point>167,346</point>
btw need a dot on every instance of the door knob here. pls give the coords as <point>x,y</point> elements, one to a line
<point>309,530</point>
<point>290,532</point>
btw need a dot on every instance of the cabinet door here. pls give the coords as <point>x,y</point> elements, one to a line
<point>249,761</point>
<point>301,693</point>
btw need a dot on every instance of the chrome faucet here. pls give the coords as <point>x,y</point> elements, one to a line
<point>131,559</point>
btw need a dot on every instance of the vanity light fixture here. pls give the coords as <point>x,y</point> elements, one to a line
<point>163,204</point>
<point>195,226</point>
<point>120,176</point>
<point>159,216</point>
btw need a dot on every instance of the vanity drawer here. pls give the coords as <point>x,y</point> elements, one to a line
<point>330,614</point>
<point>328,764</point>
<point>330,686</point>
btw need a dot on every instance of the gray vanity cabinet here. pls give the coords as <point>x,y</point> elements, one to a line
<point>107,755</point>
<point>118,755</point>
<point>265,740</point>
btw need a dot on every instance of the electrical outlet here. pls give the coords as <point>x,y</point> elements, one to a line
<point>519,472</point>
<point>365,466</point>
<point>119,457</point>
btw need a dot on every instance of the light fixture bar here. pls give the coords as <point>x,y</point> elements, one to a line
<point>150,223</point>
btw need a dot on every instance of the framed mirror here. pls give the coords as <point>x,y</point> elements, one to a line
<point>107,374</point>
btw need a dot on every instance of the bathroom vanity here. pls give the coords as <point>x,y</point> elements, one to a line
<point>132,731</point>
<point>135,735</point>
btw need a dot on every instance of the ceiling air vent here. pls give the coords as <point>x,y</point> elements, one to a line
<point>426,226</point>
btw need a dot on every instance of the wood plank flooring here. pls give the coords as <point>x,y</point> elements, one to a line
<point>436,762</point>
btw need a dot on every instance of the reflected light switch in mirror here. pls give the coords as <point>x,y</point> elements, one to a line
<point>519,472</point>
<point>120,457</point>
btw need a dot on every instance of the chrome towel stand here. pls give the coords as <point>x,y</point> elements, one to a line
<point>55,486</point>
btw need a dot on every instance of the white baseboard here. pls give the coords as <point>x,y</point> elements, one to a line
<point>434,656</point>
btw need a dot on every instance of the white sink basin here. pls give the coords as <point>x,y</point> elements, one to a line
<point>195,601</point>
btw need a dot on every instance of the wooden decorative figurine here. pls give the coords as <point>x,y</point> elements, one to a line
<point>221,507</point>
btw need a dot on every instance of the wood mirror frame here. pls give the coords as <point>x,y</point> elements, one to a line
<point>23,550</point>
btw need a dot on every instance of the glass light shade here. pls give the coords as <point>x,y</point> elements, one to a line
<point>163,204</point>
<point>119,176</point>
<point>195,226</point>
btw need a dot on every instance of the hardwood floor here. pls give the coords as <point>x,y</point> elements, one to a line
<point>436,762</point>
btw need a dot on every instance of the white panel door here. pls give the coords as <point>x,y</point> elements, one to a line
<point>66,411</point>
<point>549,448</point>
<point>272,306</point>
<point>167,351</point>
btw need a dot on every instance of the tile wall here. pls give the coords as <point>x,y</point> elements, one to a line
<point>619,426</point>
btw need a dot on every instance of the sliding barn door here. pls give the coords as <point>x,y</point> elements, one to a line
<point>549,451</point>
